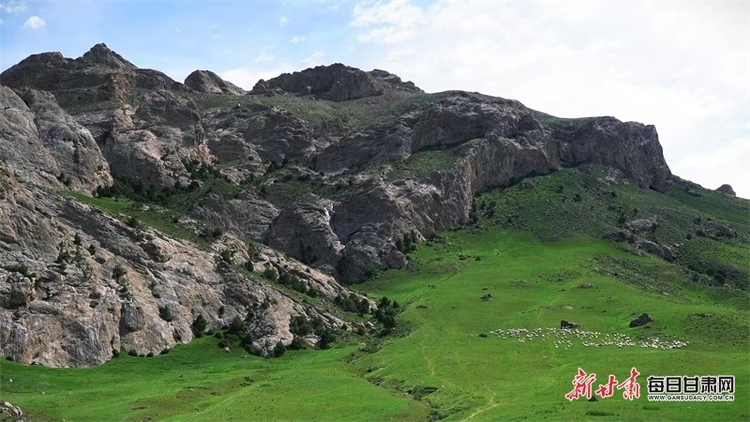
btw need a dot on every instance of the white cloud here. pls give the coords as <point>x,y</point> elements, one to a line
<point>297,40</point>
<point>264,57</point>
<point>389,23</point>
<point>13,6</point>
<point>283,21</point>
<point>718,166</point>
<point>684,67</point>
<point>314,59</point>
<point>34,22</point>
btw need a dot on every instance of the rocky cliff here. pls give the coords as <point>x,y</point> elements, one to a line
<point>333,168</point>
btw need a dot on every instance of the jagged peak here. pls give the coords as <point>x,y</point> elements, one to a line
<point>103,55</point>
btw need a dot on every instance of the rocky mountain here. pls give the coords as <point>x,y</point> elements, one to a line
<point>333,169</point>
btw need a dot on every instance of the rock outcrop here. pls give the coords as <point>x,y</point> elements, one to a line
<point>153,143</point>
<point>11,413</point>
<point>77,285</point>
<point>43,144</point>
<point>211,83</point>
<point>716,230</point>
<point>98,76</point>
<point>726,189</point>
<point>335,82</point>
<point>304,230</point>
<point>262,133</point>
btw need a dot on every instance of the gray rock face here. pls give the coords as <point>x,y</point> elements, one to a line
<point>304,231</point>
<point>335,82</point>
<point>152,143</point>
<point>92,305</point>
<point>211,83</point>
<point>246,215</point>
<point>43,144</point>
<point>632,148</point>
<point>260,132</point>
<point>496,143</point>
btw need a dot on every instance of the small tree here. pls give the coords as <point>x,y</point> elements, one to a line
<point>270,274</point>
<point>298,343</point>
<point>237,325</point>
<point>326,338</point>
<point>363,306</point>
<point>227,256</point>
<point>199,326</point>
<point>299,326</point>
<point>279,349</point>
<point>118,272</point>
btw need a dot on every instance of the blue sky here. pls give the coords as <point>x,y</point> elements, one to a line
<point>682,66</point>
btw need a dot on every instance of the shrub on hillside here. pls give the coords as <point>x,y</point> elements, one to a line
<point>199,326</point>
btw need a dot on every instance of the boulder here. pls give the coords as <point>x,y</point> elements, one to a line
<point>10,412</point>
<point>644,225</point>
<point>642,319</point>
<point>664,252</point>
<point>569,325</point>
<point>716,230</point>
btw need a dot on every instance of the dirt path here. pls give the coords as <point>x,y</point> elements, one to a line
<point>490,405</point>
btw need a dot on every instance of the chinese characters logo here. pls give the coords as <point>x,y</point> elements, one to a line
<point>660,388</point>
<point>583,385</point>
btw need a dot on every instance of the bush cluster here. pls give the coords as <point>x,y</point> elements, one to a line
<point>351,303</point>
<point>290,280</point>
<point>407,243</point>
<point>386,312</point>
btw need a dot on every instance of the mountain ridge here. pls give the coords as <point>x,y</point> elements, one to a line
<point>335,168</point>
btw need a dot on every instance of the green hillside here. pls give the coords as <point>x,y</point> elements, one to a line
<point>479,337</point>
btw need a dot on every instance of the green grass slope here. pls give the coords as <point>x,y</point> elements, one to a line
<point>518,265</point>
<point>534,285</point>
<point>201,382</point>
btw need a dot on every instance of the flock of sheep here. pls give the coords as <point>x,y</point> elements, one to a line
<point>563,338</point>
